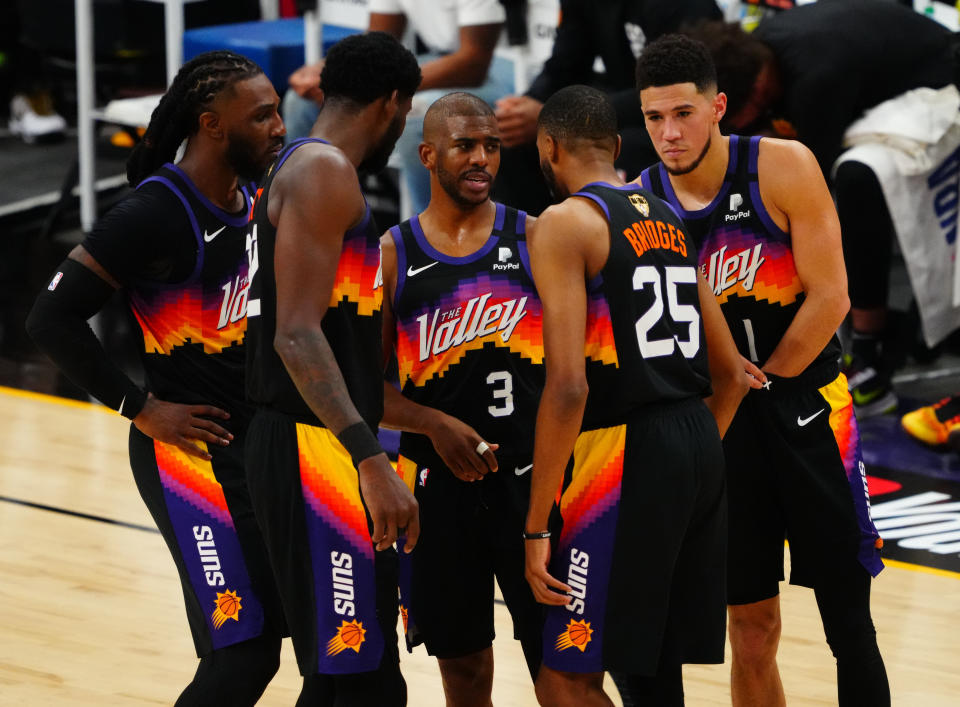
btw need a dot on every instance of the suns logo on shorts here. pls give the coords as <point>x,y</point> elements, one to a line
<point>227,607</point>
<point>577,635</point>
<point>404,615</point>
<point>349,635</point>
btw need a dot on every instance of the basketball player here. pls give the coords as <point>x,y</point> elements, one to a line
<point>176,247</point>
<point>637,580</point>
<point>767,237</point>
<point>463,315</point>
<point>317,474</point>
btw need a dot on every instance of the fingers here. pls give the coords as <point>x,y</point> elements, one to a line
<point>755,377</point>
<point>390,537</point>
<point>193,450</point>
<point>208,411</point>
<point>413,532</point>
<point>219,434</point>
<point>378,528</point>
<point>540,582</point>
<point>490,458</point>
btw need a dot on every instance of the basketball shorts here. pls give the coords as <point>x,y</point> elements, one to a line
<point>339,594</point>
<point>643,546</point>
<point>470,532</point>
<point>795,472</point>
<point>203,511</point>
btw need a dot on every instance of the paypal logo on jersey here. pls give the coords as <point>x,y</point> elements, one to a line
<point>736,201</point>
<point>503,256</point>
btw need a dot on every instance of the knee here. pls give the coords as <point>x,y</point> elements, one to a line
<point>469,675</point>
<point>851,636</point>
<point>755,633</point>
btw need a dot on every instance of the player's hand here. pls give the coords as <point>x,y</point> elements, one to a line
<point>179,425</point>
<point>456,442</point>
<point>517,119</point>
<point>390,503</point>
<point>305,81</point>
<point>755,377</point>
<point>540,581</point>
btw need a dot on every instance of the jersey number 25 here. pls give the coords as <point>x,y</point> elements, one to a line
<point>680,314</point>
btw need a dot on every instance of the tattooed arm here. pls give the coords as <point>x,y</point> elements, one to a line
<point>311,219</point>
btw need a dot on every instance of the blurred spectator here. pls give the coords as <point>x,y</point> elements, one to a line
<point>459,37</point>
<point>809,73</point>
<point>615,31</point>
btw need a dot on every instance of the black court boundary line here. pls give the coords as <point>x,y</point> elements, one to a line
<point>78,514</point>
<point>103,519</point>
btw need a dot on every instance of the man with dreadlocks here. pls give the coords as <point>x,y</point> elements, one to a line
<point>318,479</point>
<point>176,246</point>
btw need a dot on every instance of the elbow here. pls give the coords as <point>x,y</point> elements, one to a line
<point>568,393</point>
<point>286,342</point>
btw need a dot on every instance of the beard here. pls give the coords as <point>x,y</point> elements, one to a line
<point>557,192</point>
<point>451,183</point>
<point>693,165</point>
<point>244,158</point>
<point>376,161</point>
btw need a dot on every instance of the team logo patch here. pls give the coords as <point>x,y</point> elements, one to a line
<point>577,635</point>
<point>640,204</point>
<point>349,635</point>
<point>227,607</point>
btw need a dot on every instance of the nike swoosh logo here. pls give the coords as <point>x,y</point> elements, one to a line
<point>521,471</point>
<point>804,421</point>
<point>210,236</point>
<point>416,271</point>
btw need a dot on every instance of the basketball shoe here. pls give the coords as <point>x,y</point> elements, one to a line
<point>935,424</point>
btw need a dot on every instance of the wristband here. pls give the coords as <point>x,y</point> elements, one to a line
<point>540,535</point>
<point>360,442</point>
<point>132,403</point>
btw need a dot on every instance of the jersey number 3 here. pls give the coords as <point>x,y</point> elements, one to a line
<point>687,314</point>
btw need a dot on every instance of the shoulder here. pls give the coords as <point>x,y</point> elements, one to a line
<point>777,154</point>
<point>316,161</point>
<point>568,223</point>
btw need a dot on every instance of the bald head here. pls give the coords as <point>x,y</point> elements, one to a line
<point>453,105</point>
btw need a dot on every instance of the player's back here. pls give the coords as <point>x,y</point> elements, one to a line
<point>645,343</point>
<point>351,323</point>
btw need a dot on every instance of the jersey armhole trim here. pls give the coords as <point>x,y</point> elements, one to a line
<point>198,265</point>
<point>401,250</point>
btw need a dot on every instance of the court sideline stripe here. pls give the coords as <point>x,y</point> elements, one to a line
<point>67,402</point>
<point>78,514</point>
<point>103,519</point>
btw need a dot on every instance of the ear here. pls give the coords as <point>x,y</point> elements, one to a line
<point>553,148</point>
<point>428,155</point>
<point>719,106</point>
<point>391,104</point>
<point>616,149</point>
<point>209,122</point>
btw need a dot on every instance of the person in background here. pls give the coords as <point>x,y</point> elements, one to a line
<point>459,38</point>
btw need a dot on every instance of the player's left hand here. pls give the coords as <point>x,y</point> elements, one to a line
<point>755,377</point>
<point>540,581</point>
<point>456,442</point>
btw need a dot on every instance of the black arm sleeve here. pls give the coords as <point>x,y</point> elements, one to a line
<point>58,325</point>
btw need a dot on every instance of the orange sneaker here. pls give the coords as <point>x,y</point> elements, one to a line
<point>936,424</point>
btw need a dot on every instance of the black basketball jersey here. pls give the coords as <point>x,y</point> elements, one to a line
<point>745,256</point>
<point>469,333</point>
<point>351,324</point>
<point>644,339</point>
<point>193,331</point>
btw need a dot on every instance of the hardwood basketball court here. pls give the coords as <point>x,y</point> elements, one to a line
<point>91,611</point>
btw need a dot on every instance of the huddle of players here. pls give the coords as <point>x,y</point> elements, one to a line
<point>621,353</point>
